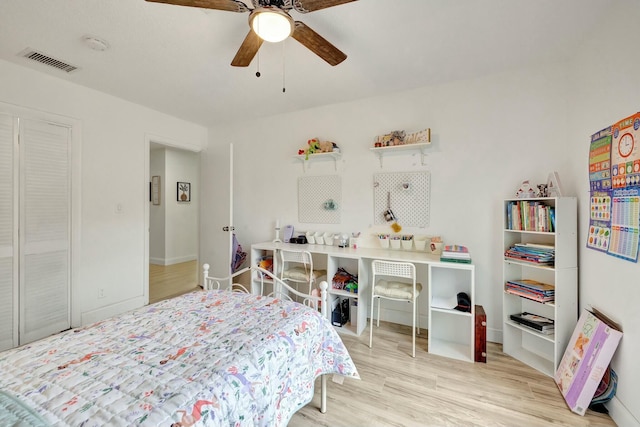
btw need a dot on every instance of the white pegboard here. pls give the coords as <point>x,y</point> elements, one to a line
<point>409,193</point>
<point>314,192</point>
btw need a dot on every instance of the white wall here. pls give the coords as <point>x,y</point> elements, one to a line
<point>606,88</point>
<point>182,217</point>
<point>173,232</point>
<point>115,170</point>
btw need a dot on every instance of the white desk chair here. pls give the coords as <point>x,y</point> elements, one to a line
<point>297,267</point>
<point>395,281</point>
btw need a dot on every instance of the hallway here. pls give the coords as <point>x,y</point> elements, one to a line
<point>166,281</point>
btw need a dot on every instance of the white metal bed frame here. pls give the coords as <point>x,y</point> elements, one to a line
<point>281,290</point>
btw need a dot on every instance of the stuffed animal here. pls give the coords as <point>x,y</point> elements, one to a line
<point>326,146</point>
<point>313,146</point>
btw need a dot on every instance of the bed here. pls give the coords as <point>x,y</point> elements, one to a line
<point>211,357</point>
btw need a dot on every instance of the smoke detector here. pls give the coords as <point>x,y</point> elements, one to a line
<point>95,43</point>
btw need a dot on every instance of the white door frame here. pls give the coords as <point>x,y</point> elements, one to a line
<point>168,142</point>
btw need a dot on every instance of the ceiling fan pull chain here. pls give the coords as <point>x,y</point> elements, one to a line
<point>283,74</point>
<point>258,64</point>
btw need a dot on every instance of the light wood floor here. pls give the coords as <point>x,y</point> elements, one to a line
<point>172,280</point>
<point>430,390</point>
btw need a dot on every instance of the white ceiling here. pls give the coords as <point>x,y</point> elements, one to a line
<point>177,59</point>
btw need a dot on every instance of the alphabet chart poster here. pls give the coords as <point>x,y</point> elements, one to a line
<point>614,178</point>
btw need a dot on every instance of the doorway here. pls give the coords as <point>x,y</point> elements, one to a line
<point>173,239</point>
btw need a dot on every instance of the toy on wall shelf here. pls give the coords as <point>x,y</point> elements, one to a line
<point>400,137</point>
<point>314,146</point>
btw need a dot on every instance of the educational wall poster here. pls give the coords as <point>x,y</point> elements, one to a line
<point>625,154</point>
<point>614,178</point>
<point>625,223</point>
<point>600,221</point>
<point>600,160</point>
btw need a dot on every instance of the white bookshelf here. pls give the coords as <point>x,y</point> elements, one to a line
<point>543,352</point>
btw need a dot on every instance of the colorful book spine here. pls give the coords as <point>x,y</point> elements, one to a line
<point>530,215</point>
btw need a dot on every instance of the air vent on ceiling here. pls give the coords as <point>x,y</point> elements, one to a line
<point>47,60</point>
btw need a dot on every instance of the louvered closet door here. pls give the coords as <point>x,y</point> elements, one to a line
<point>8,234</point>
<point>45,229</point>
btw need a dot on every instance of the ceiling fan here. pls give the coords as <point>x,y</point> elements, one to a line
<point>273,10</point>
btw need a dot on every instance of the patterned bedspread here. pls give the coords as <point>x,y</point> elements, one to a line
<point>206,358</point>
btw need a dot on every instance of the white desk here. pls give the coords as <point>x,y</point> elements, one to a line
<point>451,332</point>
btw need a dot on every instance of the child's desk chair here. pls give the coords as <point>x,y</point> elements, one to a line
<point>395,281</point>
<point>297,267</point>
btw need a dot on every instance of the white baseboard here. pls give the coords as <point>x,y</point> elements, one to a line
<point>494,335</point>
<point>171,261</point>
<point>620,414</point>
<point>101,313</point>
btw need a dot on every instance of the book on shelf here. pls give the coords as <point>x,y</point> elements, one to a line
<point>530,215</point>
<point>540,246</point>
<point>528,295</point>
<point>456,251</point>
<point>531,289</point>
<point>534,321</point>
<point>458,260</point>
<point>532,252</point>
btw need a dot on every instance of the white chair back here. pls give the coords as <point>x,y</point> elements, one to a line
<point>395,281</point>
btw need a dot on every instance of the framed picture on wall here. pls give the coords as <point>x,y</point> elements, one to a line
<point>155,190</point>
<point>184,191</point>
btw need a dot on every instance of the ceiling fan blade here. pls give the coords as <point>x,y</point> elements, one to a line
<point>306,6</point>
<point>317,44</point>
<point>247,50</point>
<point>229,5</point>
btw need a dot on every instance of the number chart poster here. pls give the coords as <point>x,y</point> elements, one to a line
<point>614,177</point>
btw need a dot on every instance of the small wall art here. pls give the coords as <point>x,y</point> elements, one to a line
<point>184,191</point>
<point>155,189</point>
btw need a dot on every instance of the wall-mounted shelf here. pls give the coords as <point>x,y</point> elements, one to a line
<point>383,151</point>
<point>335,155</point>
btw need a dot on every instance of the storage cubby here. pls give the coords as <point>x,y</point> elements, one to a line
<point>451,331</point>
<point>352,264</point>
<point>258,254</point>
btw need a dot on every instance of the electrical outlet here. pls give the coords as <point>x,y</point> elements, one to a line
<point>101,293</point>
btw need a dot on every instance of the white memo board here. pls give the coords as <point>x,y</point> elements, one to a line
<point>313,193</point>
<point>410,205</point>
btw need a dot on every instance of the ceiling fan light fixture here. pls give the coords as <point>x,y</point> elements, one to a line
<point>271,24</point>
